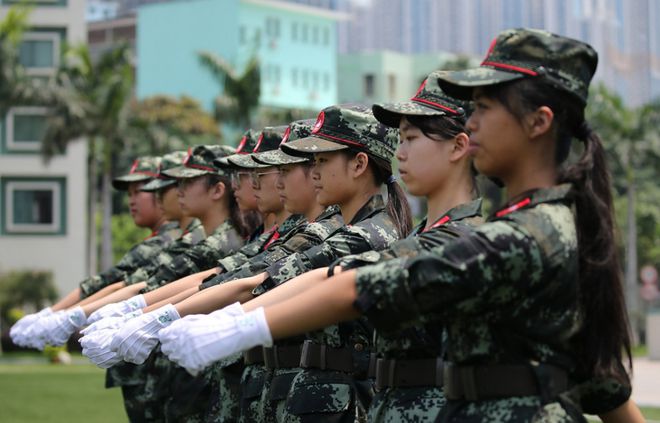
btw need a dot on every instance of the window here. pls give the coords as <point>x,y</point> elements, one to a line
<point>242,35</point>
<point>305,30</point>
<point>369,80</point>
<point>294,77</point>
<point>33,205</point>
<point>39,52</point>
<point>391,86</point>
<point>326,81</point>
<point>25,128</point>
<point>276,74</point>
<point>315,35</point>
<point>315,80</point>
<point>326,36</point>
<point>272,27</point>
<point>294,31</point>
<point>305,78</point>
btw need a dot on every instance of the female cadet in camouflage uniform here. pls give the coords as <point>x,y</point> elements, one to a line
<point>346,178</point>
<point>532,300</point>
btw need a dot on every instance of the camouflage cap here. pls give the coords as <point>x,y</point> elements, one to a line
<point>199,161</point>
<point>347,126</point>
<point>245,146</point>
<point>169,161</point>
<point>566,63</point>
<point>143,169</point>
<point>295,130</point>
<point>429,100</point>
<point>269,140</point>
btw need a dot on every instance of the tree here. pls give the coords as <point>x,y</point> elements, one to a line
<point>632,140</point>
<point>241,91</point>
<point>91,100</point>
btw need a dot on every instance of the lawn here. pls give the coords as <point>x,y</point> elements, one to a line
<point>57,393</point>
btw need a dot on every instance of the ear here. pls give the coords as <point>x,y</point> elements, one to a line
<point>460,147</point>
<point>218,191</point>
<point>359,164</point>
<point>539,122</point>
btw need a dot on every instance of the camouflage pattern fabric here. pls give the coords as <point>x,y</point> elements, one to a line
<point>193,234</point>
<point>139,255</point>
<point>598,395</point>
<point>245,255</point>
<point>201,161</point>
<point>529,53</point>
<point>296,130</point>
<point>300,238</point>
<point>515,306</point>
<point>319,395</point>
<point>370,229</point>
<point>224,240</point>
<point>142,170</point>
<point>423,403</point>
<point>255,384</point>
<point>168,161</point>
<point>347,126</point>
<point>269,140</point>
<point>429,100</point>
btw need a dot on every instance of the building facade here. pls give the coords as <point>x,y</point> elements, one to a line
<point>43,205</point>
<point>295,45</point>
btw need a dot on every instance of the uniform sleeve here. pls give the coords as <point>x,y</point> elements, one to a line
<point>599,395</point>
<point>489,269</point>
<point>243,255</point>
<point>137,256</point>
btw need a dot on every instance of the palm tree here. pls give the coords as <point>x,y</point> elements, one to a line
<point>91,100</point>
<point>241,91</point>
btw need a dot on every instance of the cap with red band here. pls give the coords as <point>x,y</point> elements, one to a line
<point>269,139</point>
<point>346,126</point>
<point>295,130</point>
<point>565,63</point>
<point>199,161</point>
<point>429,100</point>
<point>169,161</point>
<point>143,169</point>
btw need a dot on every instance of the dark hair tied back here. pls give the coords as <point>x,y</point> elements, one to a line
<point>583,131</point>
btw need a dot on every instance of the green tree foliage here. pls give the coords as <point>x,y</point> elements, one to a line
<point>19,289</point>
<point>241,91</point>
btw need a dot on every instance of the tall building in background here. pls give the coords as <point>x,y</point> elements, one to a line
<point>625,33</point>
<point>43,206</point>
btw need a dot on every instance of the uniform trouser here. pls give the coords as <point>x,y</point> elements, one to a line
<point>327,396</point>
<point>528,409</point>
<point>225,392</point>
<point>419,404</point>
<point>255,383</point>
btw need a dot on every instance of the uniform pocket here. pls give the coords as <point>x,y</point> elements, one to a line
<point>320,398</point>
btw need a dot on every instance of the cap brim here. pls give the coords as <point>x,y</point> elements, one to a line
<point>390,114</point>
<point>183,172</point>
<point>311,145</point>
<point>121,183</point>
<point>244,161</point>
<point>278,158</point>
<point>158,184</point>
<point>460,84</point>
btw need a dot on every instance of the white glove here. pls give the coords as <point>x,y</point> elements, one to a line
<point>114,322</point>
<point>138,337</point>
<point>37,334</point>
<point>205,339</point>
<point>59,327</point>
<point>118,309</point>
<point>18,330</point>
<point>96,347</point>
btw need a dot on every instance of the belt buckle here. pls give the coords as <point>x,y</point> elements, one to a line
<point>305,354</point>
<point>269,361</point>
<point>469,382</point>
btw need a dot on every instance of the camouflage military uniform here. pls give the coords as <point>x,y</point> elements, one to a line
<point>418,402</point>
<point>139,255</point>
<point>518,306</point>
<point>224,240</point>
<point>193,234</point>
<point>303,236</point>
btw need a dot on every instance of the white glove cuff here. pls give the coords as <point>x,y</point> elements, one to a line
<point>256,325</point>
<point>166,315</point>
<point>77,317</point>
<point>136,302</point>
<point>45,312</point>
<point>235,310</point>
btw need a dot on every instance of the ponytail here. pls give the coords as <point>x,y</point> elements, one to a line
<point>235,216</point>
<point>604,336</point>
<point>397,207</point>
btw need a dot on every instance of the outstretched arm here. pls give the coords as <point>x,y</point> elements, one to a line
<point>115,297</point>
<point>173,288</point>
<point>102,293</point>
<point>626,413</point>
<point>315,308</point>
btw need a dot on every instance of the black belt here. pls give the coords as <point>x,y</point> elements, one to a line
<point>324,357</point>
<point>253,356</point>
<point>282,356</point>
<point>483,382</point>
<point>391,373</point>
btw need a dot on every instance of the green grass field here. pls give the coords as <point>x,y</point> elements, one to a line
<point>57,393</point>
<point>76,393</point>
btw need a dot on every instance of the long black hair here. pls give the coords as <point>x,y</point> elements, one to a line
<point>243,226</point>
<point>397,206</point>
<point>605,334</point>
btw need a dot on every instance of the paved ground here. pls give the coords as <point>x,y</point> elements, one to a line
<point>646,382</point>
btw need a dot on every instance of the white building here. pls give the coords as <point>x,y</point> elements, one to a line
<point>42,206</point>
